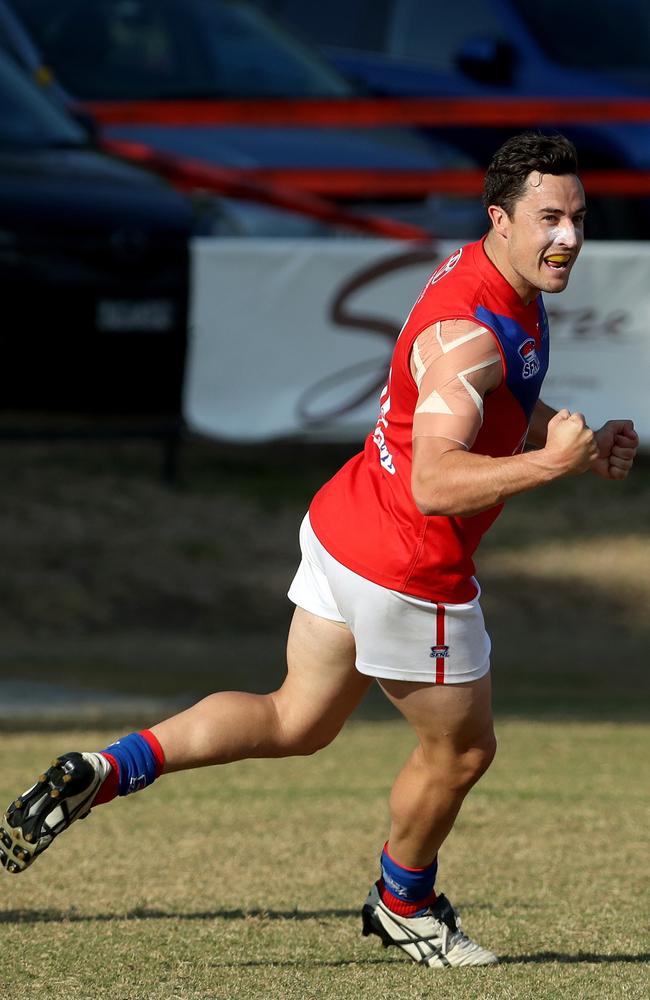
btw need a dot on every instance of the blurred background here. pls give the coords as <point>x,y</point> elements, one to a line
<point>214,217</point>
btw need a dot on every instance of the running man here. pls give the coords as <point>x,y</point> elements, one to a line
<point>386,589</point>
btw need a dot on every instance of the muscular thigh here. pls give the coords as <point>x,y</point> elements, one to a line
<point>455,716</point>
<point>322,686</point>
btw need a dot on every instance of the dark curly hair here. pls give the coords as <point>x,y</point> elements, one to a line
<point>506,175</point>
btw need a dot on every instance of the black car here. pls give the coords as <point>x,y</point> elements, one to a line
<point>162,51</point>
<point>93,268</point>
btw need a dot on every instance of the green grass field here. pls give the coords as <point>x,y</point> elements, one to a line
<point>247,881</point>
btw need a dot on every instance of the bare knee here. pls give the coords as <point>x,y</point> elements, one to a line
<point>475,761</point>
<point>303,742</point>
<point>297,736</point>
<point>460,769</point>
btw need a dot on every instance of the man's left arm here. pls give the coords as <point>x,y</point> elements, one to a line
<point>617,442</point>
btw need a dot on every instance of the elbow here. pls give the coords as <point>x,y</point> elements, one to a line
<point>434,486</point>
<point>440,499</point>
<point>431,503</point>
<point>428,509</point>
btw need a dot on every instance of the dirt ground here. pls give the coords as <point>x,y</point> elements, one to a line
<point>111,579</point>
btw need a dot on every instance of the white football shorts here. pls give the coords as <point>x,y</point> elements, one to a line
<point>397,636</point>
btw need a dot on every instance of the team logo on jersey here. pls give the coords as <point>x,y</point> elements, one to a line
<point>528,354</point>
<point>445,268</point>
<point>437,651</point>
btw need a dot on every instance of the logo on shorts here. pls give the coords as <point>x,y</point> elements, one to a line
<point>528,354</point>
<point>437,651</point>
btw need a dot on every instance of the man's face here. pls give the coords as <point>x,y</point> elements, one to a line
<point>545,233</point>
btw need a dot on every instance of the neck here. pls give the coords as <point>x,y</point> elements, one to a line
<point>495,251</point>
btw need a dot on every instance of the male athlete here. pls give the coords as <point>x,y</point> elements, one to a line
<point>385,588</point>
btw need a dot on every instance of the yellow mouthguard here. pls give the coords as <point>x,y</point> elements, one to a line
<point>559,257</point>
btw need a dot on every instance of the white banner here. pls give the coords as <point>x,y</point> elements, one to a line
<point>293,338</point>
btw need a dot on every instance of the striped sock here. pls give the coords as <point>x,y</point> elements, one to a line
<point>136,761</point>
<point>406,891</point>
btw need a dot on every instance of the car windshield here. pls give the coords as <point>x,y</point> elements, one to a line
<point>611,37</point>
<point>348,24</point>
<point>147,49</point>
<point>28,119</point>
<point>409,30</point>
<point>604,37</point>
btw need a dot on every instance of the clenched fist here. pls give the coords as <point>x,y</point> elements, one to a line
<point>571,445</point>
<point>617,443</point>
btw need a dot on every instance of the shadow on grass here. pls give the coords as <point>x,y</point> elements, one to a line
<point>300,964</point>
<point>53,916</point>
<point>542,958</point>
<point>70,916</point>
<point>586,957</point>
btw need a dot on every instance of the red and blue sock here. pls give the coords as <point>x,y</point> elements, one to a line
<point>136,761</point>
<point>406,891</point>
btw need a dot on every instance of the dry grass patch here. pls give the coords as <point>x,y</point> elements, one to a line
<point>109,577</point>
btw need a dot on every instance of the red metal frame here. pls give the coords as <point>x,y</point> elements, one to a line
<point>372,112</point>
<point>313,192</point>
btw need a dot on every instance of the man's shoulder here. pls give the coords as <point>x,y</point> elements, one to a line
<point>459,264</point>
<point>452,292</point>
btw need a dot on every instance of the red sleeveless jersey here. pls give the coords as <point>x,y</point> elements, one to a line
<point>365,516</point>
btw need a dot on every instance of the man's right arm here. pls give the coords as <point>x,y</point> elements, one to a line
<point>455,365</point>
<point>447,479</point>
